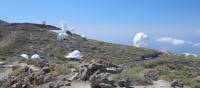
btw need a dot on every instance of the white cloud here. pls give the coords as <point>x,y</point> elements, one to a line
<point>165,39</point>
<point>190,54</point>
<point>197,44</point>
<point>173,41</point>
<point>178,42</point>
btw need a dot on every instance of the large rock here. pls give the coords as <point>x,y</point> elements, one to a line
<point>88,71</point>
<point>97,72</point>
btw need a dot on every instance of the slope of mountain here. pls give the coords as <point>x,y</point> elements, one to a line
<point>35,38</point>
<point>142,65</point>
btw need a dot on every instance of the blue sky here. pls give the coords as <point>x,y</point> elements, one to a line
<point>116,20</point>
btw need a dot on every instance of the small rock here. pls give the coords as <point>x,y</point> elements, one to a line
<point>125,83</point>
<point>176,84</point>
<point>68,84</point>
<point>51,85</point>
<point>46,69</point>
<point>64,79</point>
<point>60,84</point>
<point>93,47</point>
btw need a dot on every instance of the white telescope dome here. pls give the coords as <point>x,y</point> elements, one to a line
<point>83,36</point>
<point>76,54</point>
<point>62,36</point>
<point>35,56</point>
<point>138,38</point>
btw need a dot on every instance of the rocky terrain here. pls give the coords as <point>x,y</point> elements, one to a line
<point>103,65</point>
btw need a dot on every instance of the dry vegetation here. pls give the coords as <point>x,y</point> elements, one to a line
<point>16,39</point>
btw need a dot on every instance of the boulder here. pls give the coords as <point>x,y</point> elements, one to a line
<point>102,81</point>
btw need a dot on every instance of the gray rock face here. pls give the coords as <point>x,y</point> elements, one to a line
<point>29,79</point>
<point>102,81</point>
<point>87,72</point>
<point>97,73</point>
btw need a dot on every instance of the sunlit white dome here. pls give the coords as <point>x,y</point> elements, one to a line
<point>190,54</point>
<point>62,36</point>
<point>35,56</point>
<point>138,38</point>
<point>83,36</point>
<point>76,54</point>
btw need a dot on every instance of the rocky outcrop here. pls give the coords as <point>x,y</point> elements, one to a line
<point>25,77</point>
<point>98,73</point>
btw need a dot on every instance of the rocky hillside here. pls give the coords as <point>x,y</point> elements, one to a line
<point>18,38</point>
<point>141,65</point>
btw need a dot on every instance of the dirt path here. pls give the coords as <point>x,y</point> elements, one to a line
<point>157,84</point>
<point>73,85</point>
<point>4,72</point>
<point>79,85</point>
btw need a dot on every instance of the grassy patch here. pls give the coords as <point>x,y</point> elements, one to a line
<point>136,74</point>
<point>185,69</point>
<point>64,69</point>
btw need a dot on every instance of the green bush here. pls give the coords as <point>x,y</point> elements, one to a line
<point>136,74</point>
<point>151,74</point>
<point>62,69</point>
<point>195,83</point>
